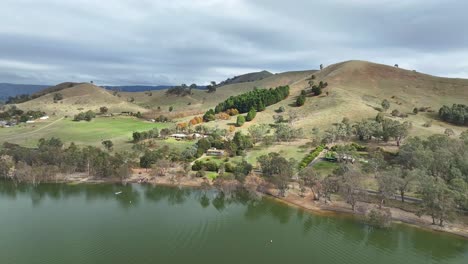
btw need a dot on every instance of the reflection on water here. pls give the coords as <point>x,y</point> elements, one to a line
<point>191,218</point>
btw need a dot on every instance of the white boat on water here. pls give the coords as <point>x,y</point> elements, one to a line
<point>117,193</point>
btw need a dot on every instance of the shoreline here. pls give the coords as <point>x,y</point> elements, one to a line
<point>292,199</point>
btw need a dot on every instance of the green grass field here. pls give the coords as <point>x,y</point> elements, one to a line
<point>117,129</point>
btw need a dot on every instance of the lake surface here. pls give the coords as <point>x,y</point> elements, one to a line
<point>90,224</point>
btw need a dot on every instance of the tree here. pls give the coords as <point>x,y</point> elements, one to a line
<point>58,97</point>
<point>240,120</point>
<point>316,90</point>
<point>192,87</point>
<point>464,136</point>
<point>251,115</point>
<point>209,116</point>
<point>108,145</point>
<point>321,66</point>
<point>258,132</point>
<point>415,110</point>
<point>310,178</point>
<point>437,200</point>
<point>277,170</point>
<point>395,112</point>
<point>351,186</point>
<point>103,110</point>
<point>388,183</point>
<point>300,101</point>
<point>211,87</point>
<point>385,104</point>
<point>171,108</point>
<point>6,166</point>
<point>449,132</point>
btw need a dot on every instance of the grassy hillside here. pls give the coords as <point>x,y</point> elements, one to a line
<point>357,88</point>
<point>79,97</point>
<point>200,101</point>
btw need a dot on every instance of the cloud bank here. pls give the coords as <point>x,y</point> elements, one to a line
<point>123,42</point>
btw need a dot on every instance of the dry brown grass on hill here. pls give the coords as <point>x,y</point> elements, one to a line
<point>81,97</point>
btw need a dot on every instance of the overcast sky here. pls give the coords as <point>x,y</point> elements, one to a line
<point>123,42</point>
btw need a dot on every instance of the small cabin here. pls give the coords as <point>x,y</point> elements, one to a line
<point>214,152</point>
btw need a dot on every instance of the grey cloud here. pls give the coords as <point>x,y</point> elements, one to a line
<point>161,42</point>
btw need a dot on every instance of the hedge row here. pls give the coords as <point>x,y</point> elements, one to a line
<point>311,156</point>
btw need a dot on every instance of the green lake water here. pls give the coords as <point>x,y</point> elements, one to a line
<point>54,223</point>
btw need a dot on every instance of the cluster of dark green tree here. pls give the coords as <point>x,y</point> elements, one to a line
<point>164,153</point>
<point>440,164</point>
<point>257,99</point>
<point>457,115</point>
<point>14,113</point>
<point>238,169</point>
<point>52,157</point>
<point>380,129</point>
<point>234,147</point>
<point>139,136</point>
<point>87,116</point>
<point>181,90</point>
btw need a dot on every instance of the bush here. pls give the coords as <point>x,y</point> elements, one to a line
<point>300,101</point>
<point>311,156</point>
<point>88,116</point>
<point>251,115</point>
<point>458,114</point>
<point>395,113</point>
<point>379,217</point>
<point>205,166</point>
<point>240,120</point>
<point>317,90</point>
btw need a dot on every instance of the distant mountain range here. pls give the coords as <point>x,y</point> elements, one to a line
<point>10,89</point>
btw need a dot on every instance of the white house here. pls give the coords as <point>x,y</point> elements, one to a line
<point>44,117</point>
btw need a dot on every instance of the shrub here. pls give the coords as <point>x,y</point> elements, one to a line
<point>395,112</point>
<point>88,116</point>
<point>240,120</point>
<point>300,101</point>
<point>428,124</point>
<point>311,156</point>
<point>379,217</point>
<point>316,90</point>
<point>251,115</point>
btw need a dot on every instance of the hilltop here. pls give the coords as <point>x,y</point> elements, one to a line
<point>248,77</point>
<point>78,97</point>
<point>356,90</point>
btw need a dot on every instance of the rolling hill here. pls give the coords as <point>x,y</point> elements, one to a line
<point>78,97</point>
<point>355,90</point>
